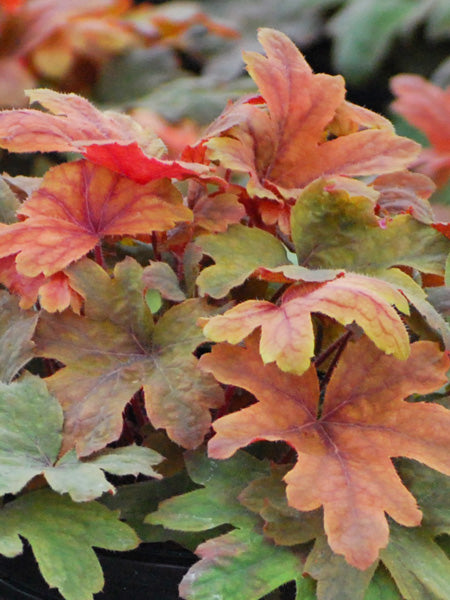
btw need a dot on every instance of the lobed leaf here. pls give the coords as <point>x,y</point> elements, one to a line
<point>79,204</point>
<point>217,502</point>
<point>271,145</point>
<point>109,139</point>
<point>353,238</point>
<point>344,447</point>
<point>62,535</point>
<point>240,565</point>
<point>30,441</point>
<point>287,335</point>
<point>114,350</point>
<point>237,253</point>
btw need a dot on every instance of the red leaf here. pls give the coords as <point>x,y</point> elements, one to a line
<point>131,161</point>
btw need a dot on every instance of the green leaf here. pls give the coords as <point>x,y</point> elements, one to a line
<point>336,579</point>
<point>62,535</point>
<point>127,460</point>
<point>111,299</point>
<point>31,423</point>
<point>114,350</point>
<point>240,565</point>
<point>418,298</point>
<point>335,228</point>
<point>136,500</point>
<point>8,203</point>
<point>382,587</point>
<point>432,491</point>
<point>30,432</point>
<point>237,253</point>
<point>16,329</point>
<point>364,30</point>
<point>217,503</point>
<point>84,480</point>
<point>284,524</point>
<point>418,565</point>
<point>154,300</point>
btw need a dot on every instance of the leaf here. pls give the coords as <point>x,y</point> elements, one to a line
<point>364,31</point>
<point>109,139</point>
<point>271,145</point>
<point>217,502</point>
<point>353,238</point>
<point>283,523</point>
<point>132,162</point>
<point>30,441</point>
<point>79,204</point>
<point>287,335</point>
<point>159,276</point>
<point>54,292</point>
<point>418,565</point>
<point>345,447</point>
<point>382,587</point>
<point>418,297</point>
<point>8,203</point>
<point>405,192</point>
<point>62,535</point>
<point>114,350</point>
<point>16,330</point>
<point>215,213</point>
<point>237,253</point>
<point>84,480</point>
<point>427,107</point>
<point>70,123</point>
<point>432,490</point>
<point>336,579</point>
<point>136,500</point>
<point>238,566</point>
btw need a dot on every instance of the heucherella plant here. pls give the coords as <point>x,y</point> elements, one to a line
<point>254,314</point>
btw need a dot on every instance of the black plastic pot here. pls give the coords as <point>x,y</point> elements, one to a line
<point>152,571</point>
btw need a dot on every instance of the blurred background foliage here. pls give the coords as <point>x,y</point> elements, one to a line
<point>175,64</point>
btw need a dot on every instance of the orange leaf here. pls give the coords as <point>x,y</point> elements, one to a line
<point>344,447</point>
<point>427,107</point>
<point>107,138</point>
<point>284,145</point>
<point>77,205</point>
<point>54,293</point>
<point>287,335</point>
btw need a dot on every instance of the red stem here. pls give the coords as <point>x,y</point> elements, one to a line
<point>342,343</point>
<point>156,253</point>
<point>223,410</point>
<point>328,351</point>
<point>98,254</point>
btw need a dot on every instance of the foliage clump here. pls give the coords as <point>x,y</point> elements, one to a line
<point>254,312</point>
